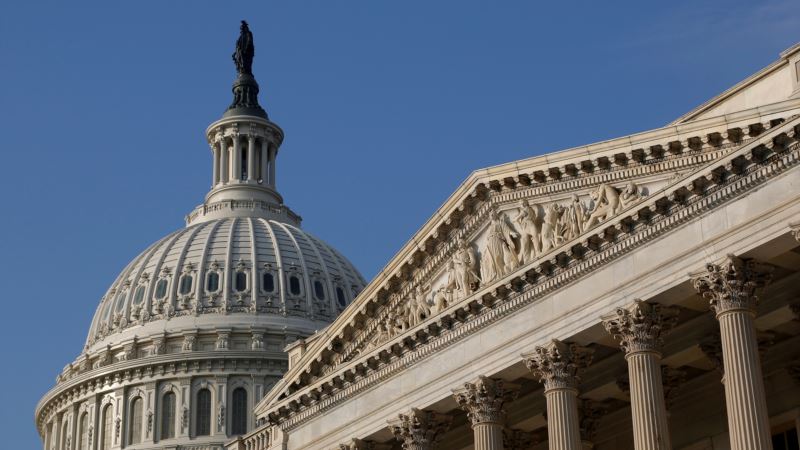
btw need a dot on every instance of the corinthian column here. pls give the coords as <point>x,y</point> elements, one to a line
<point>419,430</point>
<point>483,400</point>
<point>640,330</point>
<point>558,366</point>
<point>731,288</point>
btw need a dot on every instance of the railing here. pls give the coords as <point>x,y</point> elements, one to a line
<point>255,440</point>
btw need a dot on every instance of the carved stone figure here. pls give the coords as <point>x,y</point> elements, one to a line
<point>243,55</point>
<point>440,300</point>
<point>606,204</point>
<point>417,309</point>
<point>465,271</point>
<point>500,247</point>
<point>530,240</point>
<point>630,195</point>
<point>550,227</point>
<point>573,218</point>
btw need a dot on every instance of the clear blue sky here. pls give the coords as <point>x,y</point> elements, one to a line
<point>387,107</point>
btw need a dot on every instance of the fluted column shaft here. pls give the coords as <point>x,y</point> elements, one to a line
<point>223,161</point>
<point>251,158</point>
<point>563,427</point>
<point>650,428</point>
<point>746,402</point>
<point>215,171</point>
<point>731,288</point>
<point>559,366</point>
<point>488,436</point>
<point>640,329</point>
<point>237,158</point>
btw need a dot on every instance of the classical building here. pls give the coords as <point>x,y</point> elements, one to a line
<point>638,293</point>
<point>191,334</point>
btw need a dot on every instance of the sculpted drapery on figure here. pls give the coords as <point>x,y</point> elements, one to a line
<point>499,255</point>
<point>243,55</point>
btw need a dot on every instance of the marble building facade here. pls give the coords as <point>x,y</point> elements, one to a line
<point>637,293</point>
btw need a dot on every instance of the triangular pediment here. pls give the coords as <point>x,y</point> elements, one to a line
<point>771,87</point>
<point>519,221</point>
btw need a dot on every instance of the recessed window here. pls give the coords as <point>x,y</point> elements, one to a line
<point>105,441</point>
<point>168,416</point>
<point>239,411</point>
<point>135,427</point>
<point>120,301</point>
<point>294,285</point>
<point>212,282</point>
<point>268,282</point>
<point>240,282</point>
<point>185,286</point>
<point>786,440</point>
<point>319,290</point>
<point>161,289</point>
<point>83,433</point>
<point>203,412</point>
<point>340,297</point>
<point>138,296</point>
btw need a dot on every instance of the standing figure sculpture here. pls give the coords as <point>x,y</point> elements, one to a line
<point>465,273</point>
<point>500,247</point>
<point>551,235</point>
<point>573,218</point>
<point>530,241</point>
<point>243,55</point>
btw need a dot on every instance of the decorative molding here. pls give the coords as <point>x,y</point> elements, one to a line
<point>642,326</point>
<point>733,284</point>
<point>483,399</point>
<point>558,365</point>
<point>417,429</point>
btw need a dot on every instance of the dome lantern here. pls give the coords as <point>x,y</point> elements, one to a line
<point>244,147</point>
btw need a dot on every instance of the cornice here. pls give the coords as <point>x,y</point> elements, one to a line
<point>465,210</point>
<point>705,189</point>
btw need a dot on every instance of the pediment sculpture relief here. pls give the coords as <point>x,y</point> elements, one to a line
<point>511,240</point>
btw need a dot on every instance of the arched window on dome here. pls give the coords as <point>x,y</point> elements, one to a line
<point>239,411</point>
<point>105,428</point>
<point>340,298</point>
<point>319,290</point>
<point>82,441</point>
<point>120,302</point>
<point>294,285</point>
<point>135,421</point>
<point>168,416</point>
<point>268,282</point>
<point>240,281</point>
<point>212,282</point>
<point>161,288</point>
<point>203,412</point>
<point>138,296</point>
<point>185,284</point>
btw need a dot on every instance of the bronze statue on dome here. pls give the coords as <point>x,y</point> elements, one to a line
<point>243,56</point>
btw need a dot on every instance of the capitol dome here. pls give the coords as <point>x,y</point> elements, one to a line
<point>192,332</point>
<point>232,272</point>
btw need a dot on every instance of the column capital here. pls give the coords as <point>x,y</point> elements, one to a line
<point>483,399</point>
<point>642,326</point>
<point>418,429</point>
<point>558,365</point>
<point>733,284</point>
